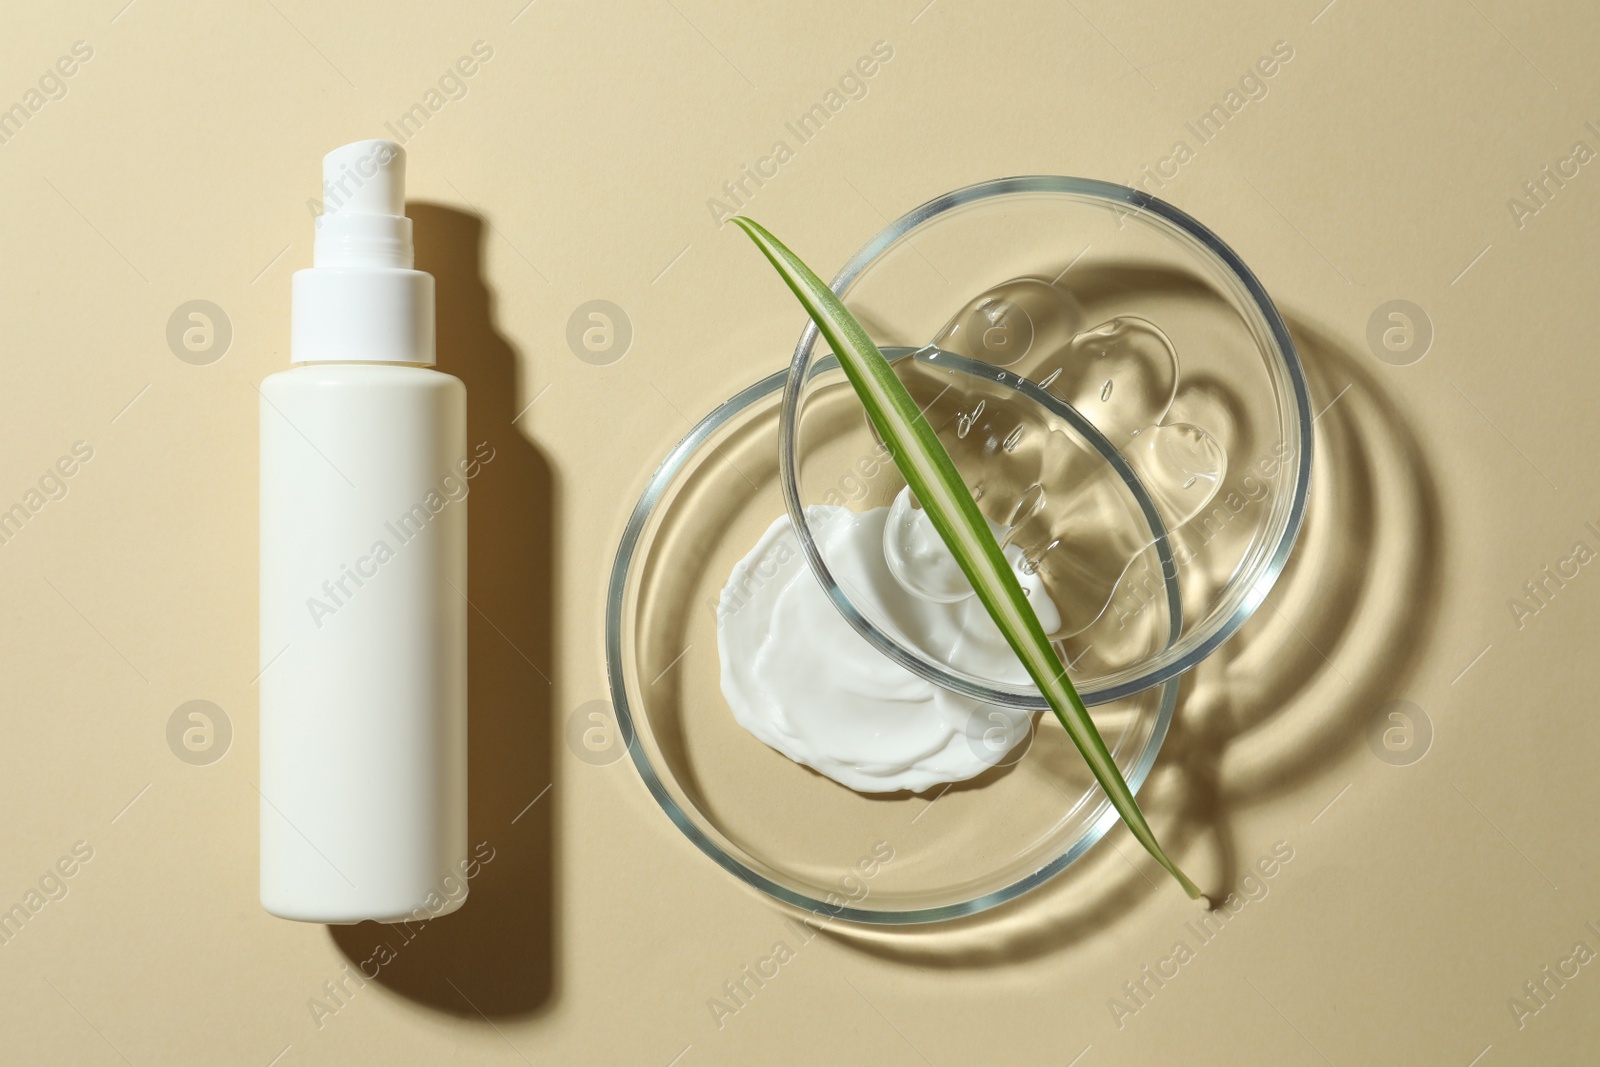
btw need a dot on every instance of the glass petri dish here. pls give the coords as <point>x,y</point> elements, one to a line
<point>1145,324</point>
<point>780,827</point>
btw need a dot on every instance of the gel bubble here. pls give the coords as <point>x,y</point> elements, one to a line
<point>1181,465</point>
<point>1121,375</point>
<point>1012,320</point>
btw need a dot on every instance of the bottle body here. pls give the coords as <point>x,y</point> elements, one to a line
<point>364,470</point>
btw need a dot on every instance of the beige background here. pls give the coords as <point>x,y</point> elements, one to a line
<point>1423,893</point>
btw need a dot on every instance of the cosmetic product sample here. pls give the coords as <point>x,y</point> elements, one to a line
<point>363,576</point>
<point>799,678</point>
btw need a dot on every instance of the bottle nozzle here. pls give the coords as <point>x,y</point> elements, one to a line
<point>363,221</point>
<point>364,178</point>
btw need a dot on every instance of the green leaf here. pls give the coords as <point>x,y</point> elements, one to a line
<point>943,494</point>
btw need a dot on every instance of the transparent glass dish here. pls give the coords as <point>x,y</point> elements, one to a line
<point>1113,480</point>
<point>1150,328</point>
<point>773,823</point>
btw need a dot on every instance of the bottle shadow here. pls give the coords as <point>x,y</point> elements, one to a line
<point>1269,709</point>
<point>496,956</point>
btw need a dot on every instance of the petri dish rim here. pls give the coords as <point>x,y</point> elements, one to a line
<point>1104,816</point>
<point>1268,561</point>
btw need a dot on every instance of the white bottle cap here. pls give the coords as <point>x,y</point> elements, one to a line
<point>361,301</point>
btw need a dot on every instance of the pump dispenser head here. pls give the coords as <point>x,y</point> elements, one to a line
<point>364,178</point>
<point>361,301</point>
<point>363,220</point>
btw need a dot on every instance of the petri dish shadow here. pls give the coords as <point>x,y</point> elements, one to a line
<point>1270,708</point>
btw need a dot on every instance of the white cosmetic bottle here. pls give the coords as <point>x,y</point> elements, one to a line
<point>363,576</point>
